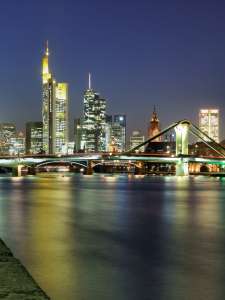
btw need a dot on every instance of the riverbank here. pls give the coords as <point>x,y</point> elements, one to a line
<point>16,282</point>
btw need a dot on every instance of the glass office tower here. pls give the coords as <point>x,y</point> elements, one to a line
<point>92,132</point>
<point>34,137</point>
<point>54,111</point>
<point>121,120</point>
<point>6,131</point>
<point>209,123</point>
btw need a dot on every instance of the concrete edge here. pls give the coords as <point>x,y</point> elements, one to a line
<point>16,283</point>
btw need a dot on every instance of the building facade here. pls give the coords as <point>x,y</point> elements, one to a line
<point>17,144</point>
<point>136,139</point>
<point>154,127</point>
<point>121,121</point>
<point>76,122</point>
<point>54,111</point>
<point>116,134</point>
<point>209,123</point>
<point>6,131</point>
<point>34,137</point>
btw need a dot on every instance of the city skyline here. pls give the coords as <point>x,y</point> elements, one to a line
<point>168,54</point>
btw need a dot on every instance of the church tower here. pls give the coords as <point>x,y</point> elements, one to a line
<point>154,127</point>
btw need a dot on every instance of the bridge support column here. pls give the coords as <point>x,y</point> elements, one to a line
<point>72,169</point>
<point>141,170</point>
<point>89,169</point>
<point>182,138</point>
<point>182,168</point>
<point>16,171</point>
<point>31,170</point>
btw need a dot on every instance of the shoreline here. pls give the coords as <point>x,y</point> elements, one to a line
<point>16,281</point>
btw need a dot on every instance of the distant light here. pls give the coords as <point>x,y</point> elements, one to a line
<point>121,118</point>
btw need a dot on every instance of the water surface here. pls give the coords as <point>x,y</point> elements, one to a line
<point>118,237</point>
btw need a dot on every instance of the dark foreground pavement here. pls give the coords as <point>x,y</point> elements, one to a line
<point>15,281</point>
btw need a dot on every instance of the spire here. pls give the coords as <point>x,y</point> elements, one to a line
<point>47,53</point>
<point>154,112</point>
<point>89,81</point>
<point>45,70</point>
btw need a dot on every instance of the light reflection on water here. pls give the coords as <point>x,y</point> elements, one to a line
<point>117,237</point>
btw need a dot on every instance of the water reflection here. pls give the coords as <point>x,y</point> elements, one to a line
<point>117,237</point>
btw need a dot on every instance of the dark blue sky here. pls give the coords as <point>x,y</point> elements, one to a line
<point>139,52</point>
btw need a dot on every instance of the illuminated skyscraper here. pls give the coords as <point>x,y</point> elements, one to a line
<point>92,132</point>
<point>17,144</point>
<point>121,121</point>
<point>209,123</point>
<point>154,127</point>
<point>116,134</point>
<point>6,131</point>
<point>54,112</point>
<point>76,122</point>
<point>34,137</point>
<point>136,139</point>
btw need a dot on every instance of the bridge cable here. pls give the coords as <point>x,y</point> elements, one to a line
<point>196,135</point>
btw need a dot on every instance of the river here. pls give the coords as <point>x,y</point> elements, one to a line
<point>117,236</point>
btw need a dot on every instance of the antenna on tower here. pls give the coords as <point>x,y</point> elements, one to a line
<point>47,53</point>
<point>89,81</point>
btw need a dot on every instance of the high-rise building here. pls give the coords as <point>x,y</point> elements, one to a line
<point>154,127</point>
<point>92,132</point>
<point>76,122</point>
<point>209,123</point>
<point>54,111</point>
<point>34,137</point>
<point>17,144</point>
<point>108,126</point>
<point>109,119</point>
<point>136,139</point>
<point>6,131</point>
<point>116,134</point>
<point>121,121</point>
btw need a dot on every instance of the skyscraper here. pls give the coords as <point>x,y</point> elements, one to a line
<point>108,126</point>
<point>109,119</point>
<point>6,131</point>
<point>76,122</point>
<point>34,137</point>
<point>154,127</point>
<point>17,144</point>
<point>209,123</point>
<point>121,121</point>
<point>116,134</point>
<point>92,132</point>
<point>136,139</point>
<point>54,111</point>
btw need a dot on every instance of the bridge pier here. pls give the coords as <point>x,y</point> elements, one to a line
<point>16,171</point>
<point>31,170</point>
<point>89,169</point>
<point>72,169</point>
<point>182,168</point>
<point>141,170</point>
<point>182,138</point>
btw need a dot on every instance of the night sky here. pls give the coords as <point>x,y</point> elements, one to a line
<point>138,52</point>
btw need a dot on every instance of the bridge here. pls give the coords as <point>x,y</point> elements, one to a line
<point>181,159</point>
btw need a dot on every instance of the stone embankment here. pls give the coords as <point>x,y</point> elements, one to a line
<point>15,281</point>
